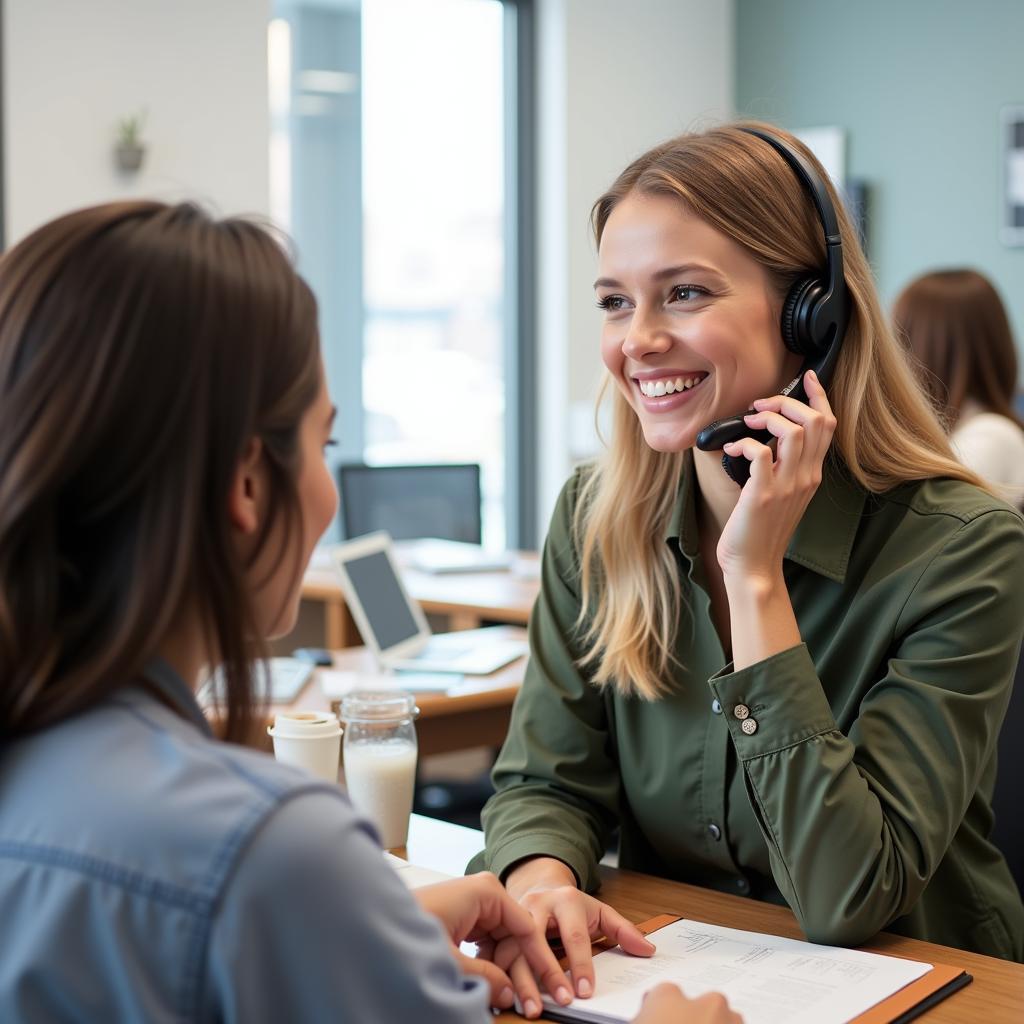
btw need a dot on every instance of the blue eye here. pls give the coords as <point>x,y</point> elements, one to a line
<point>612,303</point>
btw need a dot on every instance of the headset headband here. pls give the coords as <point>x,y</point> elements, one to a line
<point>822,201</point>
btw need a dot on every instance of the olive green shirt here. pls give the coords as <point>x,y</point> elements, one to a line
<point>861,796</point>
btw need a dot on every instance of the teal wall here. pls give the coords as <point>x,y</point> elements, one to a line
<point>918,86</point>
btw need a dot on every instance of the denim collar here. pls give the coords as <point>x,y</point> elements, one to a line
<point>165,683</point>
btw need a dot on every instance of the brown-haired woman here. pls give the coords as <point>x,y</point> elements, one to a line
<point>791,691</point>
<point>163,416</point>
<point>957,330</point>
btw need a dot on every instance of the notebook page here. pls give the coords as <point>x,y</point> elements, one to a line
<point>767,979</point>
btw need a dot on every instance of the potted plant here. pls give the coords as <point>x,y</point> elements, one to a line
<point>130,149</point>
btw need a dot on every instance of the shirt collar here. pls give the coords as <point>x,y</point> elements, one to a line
<point>167,685</point>
<point>824,537</point>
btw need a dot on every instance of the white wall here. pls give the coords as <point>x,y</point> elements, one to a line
<point>73,68</point>
<point>615,78</point>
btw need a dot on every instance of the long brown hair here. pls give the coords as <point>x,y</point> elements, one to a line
<point>142,347</point>
<point>956,328</point>
<point>740,186</point>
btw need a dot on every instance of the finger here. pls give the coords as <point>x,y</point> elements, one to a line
<point>790,434</point>
<point>790,448</point>
<point>626,934</point>
<point>665,1002</point>
<point>818,426</point>
<point>574,931</point>
<point>538,955</point>
<point>522,926</point>
<point>713,1006</point>
<point>506,952</point>
<point>806,413</point>
<point>819,401</point>
<point>797,412</point>
<point>526,987</point>
<point>758,455</point>
<point>816,396</point>
<point>665,993</point>
<point>497,980</point>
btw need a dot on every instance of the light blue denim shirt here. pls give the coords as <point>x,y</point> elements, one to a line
<point>150,873</point>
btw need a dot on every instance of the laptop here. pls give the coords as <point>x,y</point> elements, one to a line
<point>438,556</point>
<point>288,678</point>
<point>394,626</point>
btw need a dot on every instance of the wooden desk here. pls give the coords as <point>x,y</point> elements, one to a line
<point>465,598</point>
<point>474,714</point>
<point>996,996</point>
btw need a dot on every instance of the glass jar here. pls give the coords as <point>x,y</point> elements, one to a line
<point>379,759</point>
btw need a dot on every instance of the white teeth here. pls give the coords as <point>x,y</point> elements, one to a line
<point>659,388</point>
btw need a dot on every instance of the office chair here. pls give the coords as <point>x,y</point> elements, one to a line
<point>1008,832</point>
<point>411,502</point>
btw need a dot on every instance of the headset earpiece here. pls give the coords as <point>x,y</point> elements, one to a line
<point>814,314</point>
<point>797,317</point>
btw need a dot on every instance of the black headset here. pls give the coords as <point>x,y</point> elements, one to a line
<point>814,316</point>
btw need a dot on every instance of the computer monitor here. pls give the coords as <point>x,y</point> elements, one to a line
<point>411,502</point>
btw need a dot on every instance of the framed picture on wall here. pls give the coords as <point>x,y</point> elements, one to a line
<point>1012,231</point>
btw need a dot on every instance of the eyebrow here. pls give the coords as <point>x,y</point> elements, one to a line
<point>659,275</point>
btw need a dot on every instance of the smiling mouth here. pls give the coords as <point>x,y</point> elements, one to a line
<point>662,386</point>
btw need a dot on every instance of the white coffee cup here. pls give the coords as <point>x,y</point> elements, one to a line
<point>310,740</point>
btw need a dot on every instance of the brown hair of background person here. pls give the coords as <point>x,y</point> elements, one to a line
<point>955,326</point>
<point>142,347</point>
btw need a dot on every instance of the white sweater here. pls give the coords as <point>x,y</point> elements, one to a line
<point>993,446</point>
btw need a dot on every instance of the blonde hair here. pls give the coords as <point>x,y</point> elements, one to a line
<point>887,431</point>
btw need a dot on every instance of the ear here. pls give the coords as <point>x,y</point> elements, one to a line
<point>245,496</point>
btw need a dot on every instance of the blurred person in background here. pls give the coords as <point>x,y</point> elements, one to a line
<point>956,328</point>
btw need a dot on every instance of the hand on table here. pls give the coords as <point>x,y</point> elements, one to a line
<point>478,909</point>
<point>547,889</point>
<point>666,1004</point>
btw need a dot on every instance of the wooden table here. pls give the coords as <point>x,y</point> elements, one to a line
<point>996,996</point>
<point>465,598</point>
<point>475,713</point>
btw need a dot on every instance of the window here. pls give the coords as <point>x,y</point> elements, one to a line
<point>390,159</point>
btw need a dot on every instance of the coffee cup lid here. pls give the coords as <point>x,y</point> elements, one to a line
<point>300,724</point>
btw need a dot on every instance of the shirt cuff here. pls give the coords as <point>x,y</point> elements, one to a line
<point>773,704</point>
<point>538,844</point>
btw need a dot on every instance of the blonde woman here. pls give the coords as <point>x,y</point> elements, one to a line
<point>790,690</point>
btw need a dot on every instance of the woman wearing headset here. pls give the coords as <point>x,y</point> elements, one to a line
<point>163,417</point>
<point>793,689</point>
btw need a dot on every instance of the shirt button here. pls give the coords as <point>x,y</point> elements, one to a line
<point>742,885</point>
<point>714,831</point>
<point>749,726</point>
<point>741,711</point>
<point>716,707</point>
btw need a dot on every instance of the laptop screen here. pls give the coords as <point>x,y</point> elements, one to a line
<point>382,599</point>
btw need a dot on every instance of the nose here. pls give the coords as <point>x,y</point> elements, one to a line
<point>647,335</point>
